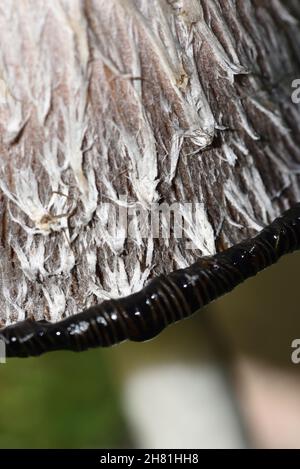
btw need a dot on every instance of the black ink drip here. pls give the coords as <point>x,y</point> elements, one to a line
<point>165,300</point>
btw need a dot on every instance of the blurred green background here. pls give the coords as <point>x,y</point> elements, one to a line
<point>71,400</point>
<point>60,400</point>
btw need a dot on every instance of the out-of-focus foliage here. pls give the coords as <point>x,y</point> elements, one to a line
<point>60,400</point>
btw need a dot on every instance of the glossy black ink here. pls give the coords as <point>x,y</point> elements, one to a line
<point>164,300</point>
